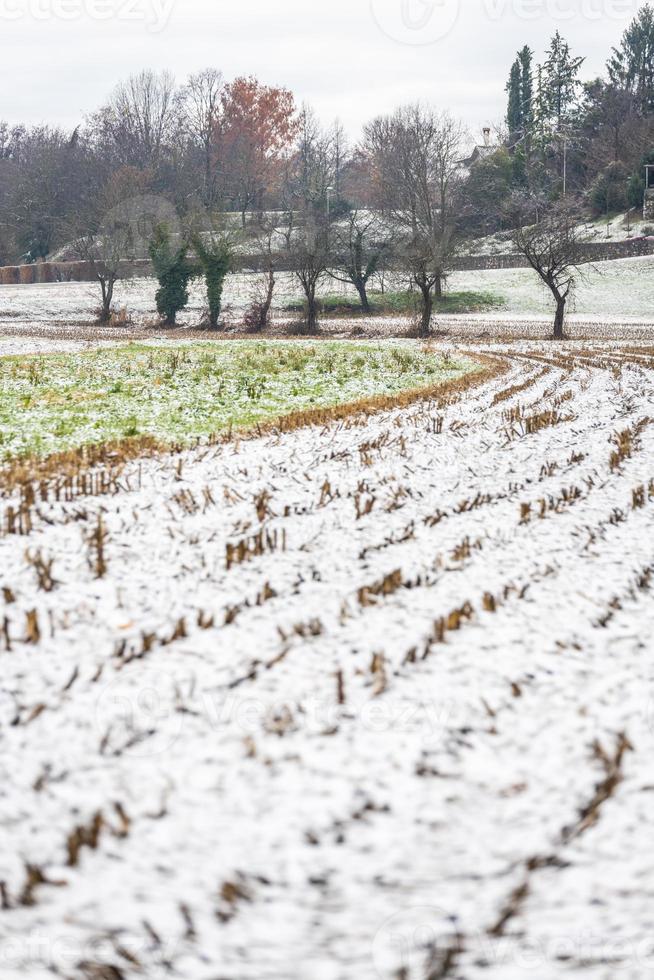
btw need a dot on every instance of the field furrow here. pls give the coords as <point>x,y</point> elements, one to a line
<point>372,697</point>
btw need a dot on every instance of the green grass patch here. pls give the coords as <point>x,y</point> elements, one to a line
<point>403,303</point>
<point>61,401</point>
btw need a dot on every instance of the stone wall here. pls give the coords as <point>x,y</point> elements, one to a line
<point>592,252</point>
<point>40,272</point>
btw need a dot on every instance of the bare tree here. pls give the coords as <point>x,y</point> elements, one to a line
<point>264,236</point>
<point>310,260</point>
<point>415,159</point>
<point>140,119</point>
<point>308,184</point>
<point>200,103</point>
<point>554,248</point>
<point>50,172</point>
<point>111,225</point>
<point>104,254</point>
<point>313,177</point>
<point>357,248</point>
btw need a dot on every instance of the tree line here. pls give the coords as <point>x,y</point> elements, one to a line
<point>405,197</point>
<point>569,137</point>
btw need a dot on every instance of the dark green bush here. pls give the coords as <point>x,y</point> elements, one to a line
<point>214,259</point>
<point>173,271</point>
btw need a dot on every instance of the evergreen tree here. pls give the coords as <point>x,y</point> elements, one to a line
<point>631,66</point>
<point>524,165</point>
<point>514,111</point>
<point>541,112</point>
<point>561,83</point>
<point>525,58</point>
<point>520,89</point>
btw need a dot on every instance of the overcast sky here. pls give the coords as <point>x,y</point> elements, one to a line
<point>350,59</point>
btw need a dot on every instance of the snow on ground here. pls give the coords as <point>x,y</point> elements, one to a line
<point>618,291</point>
<point>617,228</point>
<point>355,700</point>
<point>77,302</point>
<point>620,227</point>
<point>18,344</point>
<point>621,288</point>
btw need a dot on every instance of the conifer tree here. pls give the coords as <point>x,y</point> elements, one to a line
<point>525,58</point>
<point>560,82</point>
<point>631,66</point>
<point>514,111</point>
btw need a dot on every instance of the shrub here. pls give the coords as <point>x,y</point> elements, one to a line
<point>120,318</point>
<point>215,259</point>
<point>173,271</point>
<point>256,317</point>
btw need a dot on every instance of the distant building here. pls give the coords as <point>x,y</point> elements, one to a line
<point>482,150</point>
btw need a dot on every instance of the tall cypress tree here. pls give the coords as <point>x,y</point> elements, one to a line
<point>520,88</point>
<point>631,66</point>
<point>514,110</point>
<point>525,59</point>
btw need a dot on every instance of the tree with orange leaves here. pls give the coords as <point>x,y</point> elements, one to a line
<point>257,128</point>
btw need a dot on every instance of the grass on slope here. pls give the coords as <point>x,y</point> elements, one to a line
<point>61,401</point>
<point>404,302</point>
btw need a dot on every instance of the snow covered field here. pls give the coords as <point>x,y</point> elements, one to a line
<point>618,291</point>
<point>369,700</point>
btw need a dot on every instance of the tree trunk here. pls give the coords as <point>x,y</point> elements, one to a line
<point>559,317</point>
<point>438,287</point>
<point>267,302</point>
<point>363,296</point>
<point>208,196</point>
<point>107,288</point>
<point>426,312</point>
<point>312,313</point>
